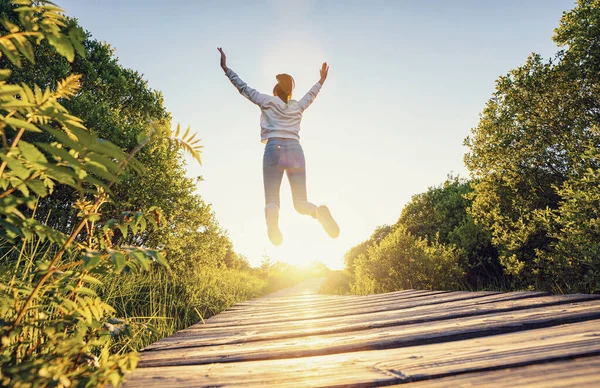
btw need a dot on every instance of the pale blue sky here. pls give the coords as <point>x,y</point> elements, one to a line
<point>408,80</point>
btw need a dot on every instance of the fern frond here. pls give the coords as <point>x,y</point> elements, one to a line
<point>17,43</point>
<point>186,142</point>
<point>190,149</point>
<point>68,87</point>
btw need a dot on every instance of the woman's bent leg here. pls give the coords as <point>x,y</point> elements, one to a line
<point>296,173</point>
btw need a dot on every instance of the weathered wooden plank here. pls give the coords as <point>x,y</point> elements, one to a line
<point>396,365</point>
<point>378,338</point>
<point>275,302</point>
<point>581,372</point>
<point>439,302</point>
<point>340,302</point>
<point>419,314</point>
<point>343,310</point>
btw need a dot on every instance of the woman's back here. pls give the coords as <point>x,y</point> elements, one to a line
<point>278,118</point>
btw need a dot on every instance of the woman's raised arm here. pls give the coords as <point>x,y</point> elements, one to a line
<point>245,90</point>
<point>312,93</point>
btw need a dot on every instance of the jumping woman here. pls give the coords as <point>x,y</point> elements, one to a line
<point>280,123</point>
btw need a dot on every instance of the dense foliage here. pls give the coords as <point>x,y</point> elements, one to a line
<point>529,218</point>
<point>55,329</point>
<point>535,158</point>
<point>434,244</point>
<point>104,244</point>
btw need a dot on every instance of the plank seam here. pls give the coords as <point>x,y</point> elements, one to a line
<point>410,379</point>
<point>379,326</point>
<point>391,344</point>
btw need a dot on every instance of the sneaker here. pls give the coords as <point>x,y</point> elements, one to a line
<point>272,216</point>
<point>329,224</point>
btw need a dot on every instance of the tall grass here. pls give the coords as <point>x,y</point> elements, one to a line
<point>161,303</point>
<point>155,303</point>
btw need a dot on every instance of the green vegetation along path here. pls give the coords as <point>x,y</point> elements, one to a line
<point>298,337</point>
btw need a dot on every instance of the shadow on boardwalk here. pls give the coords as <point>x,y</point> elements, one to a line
<point>296,337</point>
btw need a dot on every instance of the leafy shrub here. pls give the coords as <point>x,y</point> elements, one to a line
<point>531,163</point>
<point>56,331</point>
<point>402,261</point>
<point>337,283</point>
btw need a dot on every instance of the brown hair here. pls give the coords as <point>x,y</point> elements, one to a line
<point>284,87</point>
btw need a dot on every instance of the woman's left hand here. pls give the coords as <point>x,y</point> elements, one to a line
<point>223,59</point>
<point>324,71</point>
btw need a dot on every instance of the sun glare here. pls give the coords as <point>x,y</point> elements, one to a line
<point>301,58</point>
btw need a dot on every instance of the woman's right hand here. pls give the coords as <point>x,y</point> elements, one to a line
<point>324,71</point>
<point>223,59</point>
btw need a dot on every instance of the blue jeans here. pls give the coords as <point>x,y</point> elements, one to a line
<point>286,155</point>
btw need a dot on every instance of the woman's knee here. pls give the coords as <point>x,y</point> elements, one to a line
<point>304,207</point>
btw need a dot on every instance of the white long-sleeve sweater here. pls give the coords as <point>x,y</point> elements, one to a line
<point>277,118</point>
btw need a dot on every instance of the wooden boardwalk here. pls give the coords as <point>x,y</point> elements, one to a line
<point>297,338</point>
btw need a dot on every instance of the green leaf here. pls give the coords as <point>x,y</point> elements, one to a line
<point>68,306</point>
<point>63,46</point>
<point>17,167</point>
<point>118,259</point>
<point>100,170</point>
<point>143,223</point>
<point>140,257</point>
<point>11,27</point>
<point>85,291</point>
<point>63,138</point>
<point>123,228</point>
<point>84,137</point>
<point>106,148</point>
<point>23,189</point>
<point>18,124</point>
<point>8,205</point>
<point>94,217</point>
<point>86,313</point>
<point>140,137</point>
<point>10,231</point>
<point>11,53</point>
<point>38,187</point>
<point>5,74</point>
<point>24,47</point>
<point>61,153</point>
<point>8,91</point>
<point>158,257</point>
<point>91,260</point>
<point>92,280</point>
<point>77,36</point>
<point>104,161</point>
<point>31,153</point>
<point>61,174</point>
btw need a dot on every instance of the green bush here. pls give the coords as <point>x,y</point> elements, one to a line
<point>572,259</point>
<point>402,261</point>
<point>337,283</point>
<point>534,178</point>
<point>56,330</point>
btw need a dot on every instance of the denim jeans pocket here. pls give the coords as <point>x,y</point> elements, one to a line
<point>295,161</point>
<point>272,155</point>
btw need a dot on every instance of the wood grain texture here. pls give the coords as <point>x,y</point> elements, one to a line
<point>398,365</point>
<point>297,338</point>
<point>581,372</point>
<point>205,336</point>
